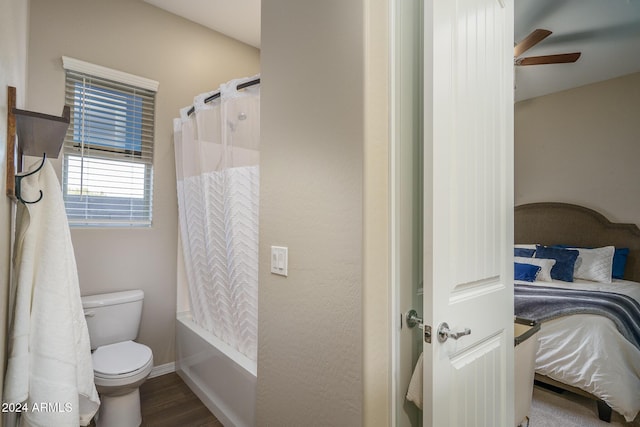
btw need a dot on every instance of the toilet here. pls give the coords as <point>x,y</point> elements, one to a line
<point>120,365</point>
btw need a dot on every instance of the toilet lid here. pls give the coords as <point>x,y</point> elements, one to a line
<point>120,358</point>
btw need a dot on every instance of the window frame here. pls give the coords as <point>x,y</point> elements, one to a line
<point>107,85</point>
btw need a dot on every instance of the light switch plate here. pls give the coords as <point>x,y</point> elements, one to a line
<point>279,260</point>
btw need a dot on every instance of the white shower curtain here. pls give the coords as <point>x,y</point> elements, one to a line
<point>217,168</point>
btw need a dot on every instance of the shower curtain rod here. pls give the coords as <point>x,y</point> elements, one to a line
<point>217,94</point>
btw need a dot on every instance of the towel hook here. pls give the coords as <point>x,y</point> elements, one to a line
<point>19,182</point>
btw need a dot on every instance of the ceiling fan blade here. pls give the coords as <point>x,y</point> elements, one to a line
<point>531,40</point>
<point>562,58</point>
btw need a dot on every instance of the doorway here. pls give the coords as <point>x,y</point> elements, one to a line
<point>407,159</point>
<point>452,210</point>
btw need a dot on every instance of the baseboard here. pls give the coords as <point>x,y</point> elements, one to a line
<point>167,368</point>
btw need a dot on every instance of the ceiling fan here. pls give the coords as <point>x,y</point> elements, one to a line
<point>533,39</point>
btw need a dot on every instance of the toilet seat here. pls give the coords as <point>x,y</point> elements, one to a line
<point>121,360</point>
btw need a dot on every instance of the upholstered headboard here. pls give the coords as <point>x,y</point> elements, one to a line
<point>567,224</point>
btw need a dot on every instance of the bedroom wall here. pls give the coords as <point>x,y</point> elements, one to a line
<point>13,64</point>
<point>187,59</point>
<point>582,146</point>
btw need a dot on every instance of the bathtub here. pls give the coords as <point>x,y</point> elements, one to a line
<point>222,378</point>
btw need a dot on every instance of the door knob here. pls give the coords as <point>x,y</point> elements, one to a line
<point>413,319</point>
<point>444,333</point>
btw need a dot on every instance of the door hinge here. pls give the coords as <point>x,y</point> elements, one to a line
<point>427,334</point>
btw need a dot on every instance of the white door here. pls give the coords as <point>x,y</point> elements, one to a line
<point>468,212</point>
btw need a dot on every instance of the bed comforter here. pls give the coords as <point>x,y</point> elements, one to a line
<point>587,351</point>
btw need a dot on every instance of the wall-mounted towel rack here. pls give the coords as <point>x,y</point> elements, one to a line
<point>37,134</point>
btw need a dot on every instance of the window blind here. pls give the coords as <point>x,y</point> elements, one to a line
<point>108,152</point>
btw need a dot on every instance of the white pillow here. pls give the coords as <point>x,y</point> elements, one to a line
<point>545,266</point>
<point>533,246</point>
<point>594,264</point>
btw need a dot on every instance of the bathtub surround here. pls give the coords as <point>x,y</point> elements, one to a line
<point>216,373</point>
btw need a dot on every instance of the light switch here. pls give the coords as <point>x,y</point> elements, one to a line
<point>279,260</point>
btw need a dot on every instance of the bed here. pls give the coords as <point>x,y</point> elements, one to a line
<point>586,353</point>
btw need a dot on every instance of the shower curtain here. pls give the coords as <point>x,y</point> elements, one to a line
<point>217,169</point>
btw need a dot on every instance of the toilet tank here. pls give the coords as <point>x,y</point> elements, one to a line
<point>113,317</point>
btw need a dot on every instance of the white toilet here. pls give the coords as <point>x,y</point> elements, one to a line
<point>120,365</point>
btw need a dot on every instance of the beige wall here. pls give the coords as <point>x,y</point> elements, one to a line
<point>13,61</point>
<point>310,342</point>
<point>187,59</point>
<point>582,146</point>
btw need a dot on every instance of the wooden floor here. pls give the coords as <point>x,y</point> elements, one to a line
<point>166,401</point>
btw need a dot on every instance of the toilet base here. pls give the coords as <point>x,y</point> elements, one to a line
<point>120,411</point>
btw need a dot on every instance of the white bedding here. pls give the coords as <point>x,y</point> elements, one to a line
<point>588,352</point>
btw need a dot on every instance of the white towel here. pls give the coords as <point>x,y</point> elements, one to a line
<point>414,394</point>
<point>49,366</point>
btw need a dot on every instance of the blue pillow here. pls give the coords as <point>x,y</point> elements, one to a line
<point>619,262</point>
<point>524,252</point>
<point>565,261</point>
<point>525,272</point>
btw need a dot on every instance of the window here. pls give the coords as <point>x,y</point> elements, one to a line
<point>107,172</point>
